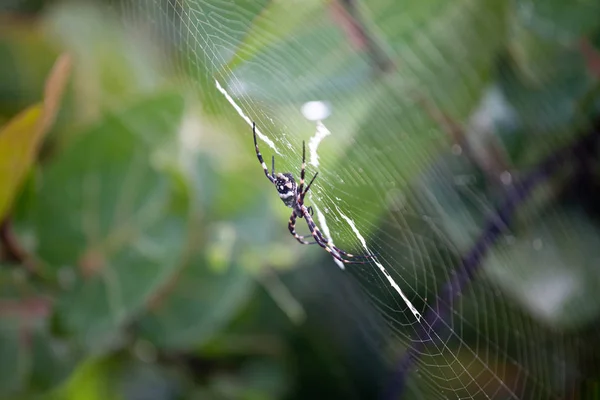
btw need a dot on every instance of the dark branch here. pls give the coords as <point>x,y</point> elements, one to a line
<point>12,249</point>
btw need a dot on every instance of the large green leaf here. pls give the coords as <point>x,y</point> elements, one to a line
<point>200,304</point>
<point>106,219</point>
<point>211,285</point>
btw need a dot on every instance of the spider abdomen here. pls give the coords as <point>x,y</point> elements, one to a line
<point>286,187</point>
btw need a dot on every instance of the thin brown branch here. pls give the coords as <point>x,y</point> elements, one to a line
<point>592,57</point>
<point>346,14</point>
<point>13,251</point>
<point>489,158</point>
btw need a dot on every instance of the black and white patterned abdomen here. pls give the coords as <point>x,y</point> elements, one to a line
<point>286,187</point>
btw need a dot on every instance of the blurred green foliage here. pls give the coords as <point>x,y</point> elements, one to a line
<point>145,258</point>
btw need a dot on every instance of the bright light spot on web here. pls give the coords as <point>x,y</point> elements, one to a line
<point>316,110</point>
<point>551,292</point>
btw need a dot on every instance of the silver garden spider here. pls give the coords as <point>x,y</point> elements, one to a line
<point>292,196</point>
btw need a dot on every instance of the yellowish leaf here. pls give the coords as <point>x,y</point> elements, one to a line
<point>16,142</point>
<point>21,137</point>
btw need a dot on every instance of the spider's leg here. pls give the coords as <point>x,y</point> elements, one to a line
<point>273,166</point>
<point>340,251</point>
<point>302,194</point>
<point>310,210</point>
<point>303,169</point>
<point>323,242</point>
<point>260,158</point>
<point>346,254</point>
<point>292,228</point>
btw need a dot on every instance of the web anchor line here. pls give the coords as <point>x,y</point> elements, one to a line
<point>389,278</point>
<point>325,227</point>
<point>241,113</point>
<point>471,261</point>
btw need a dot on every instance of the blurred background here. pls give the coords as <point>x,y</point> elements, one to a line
<point>145,256</point>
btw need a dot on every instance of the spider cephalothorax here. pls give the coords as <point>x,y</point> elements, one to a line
<point>292,195</point>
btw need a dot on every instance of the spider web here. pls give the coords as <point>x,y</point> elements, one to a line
<point>376,92</point>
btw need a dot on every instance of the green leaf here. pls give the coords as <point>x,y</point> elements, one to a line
<point>105,219</point>
<point>119,376</point>
<point>448,60</point>
<point>270,19</point>
<point>200,303</point>
<point>338,69</point>
<point>211,284</point>
<point>558,20</point>
<point>112,64</point>
<point>26,59</point>
<point>31,359</point>
<point>94,379</point>
<point>445,51</point>
<point>553,106</point>
<point>21,137</point>
<point>14,360</point>
<point>550,269</point>
<point>52,360</point>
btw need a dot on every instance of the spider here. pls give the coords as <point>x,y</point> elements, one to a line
<point>292,196</point>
